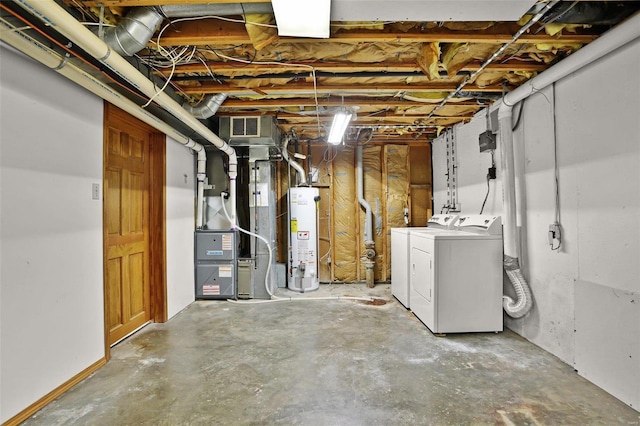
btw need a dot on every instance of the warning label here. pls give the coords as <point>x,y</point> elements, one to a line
<point>210,289</point>
<point>227,241</point>
<point>225,271</point>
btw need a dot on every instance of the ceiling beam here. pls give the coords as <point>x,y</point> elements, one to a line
<point>335,102</point>
<point>216,32</point>
<point>228,68</point>
<point>297,87</point>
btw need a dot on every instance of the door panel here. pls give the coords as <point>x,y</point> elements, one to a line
<point>126,226</point>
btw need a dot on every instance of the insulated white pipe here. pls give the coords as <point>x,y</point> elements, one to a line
<point>297,167</point>
<point>368,222</point>
<point>56,17</point>
<point>53,60</point>
<point>613,39</point>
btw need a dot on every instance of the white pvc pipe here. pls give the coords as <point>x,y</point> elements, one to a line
<point>368,222</point>
<point>605,44</point>
<point>56,17</point>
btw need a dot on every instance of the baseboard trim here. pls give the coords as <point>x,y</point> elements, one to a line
<point>42,402</point>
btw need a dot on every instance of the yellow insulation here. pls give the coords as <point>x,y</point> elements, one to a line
<point>318,153</point>
<point>428,59</point>
<point>260,36</point>
<point>345,252</point>
<point>396,159</point>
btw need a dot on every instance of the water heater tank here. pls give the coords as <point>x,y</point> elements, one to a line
<point>303,239</point>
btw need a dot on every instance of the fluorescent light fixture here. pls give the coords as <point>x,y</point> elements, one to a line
<point>302,18</point>
<point>340,123</point>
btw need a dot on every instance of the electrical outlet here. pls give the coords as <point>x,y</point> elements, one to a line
<point>491,172</point>
<point>554,234</point>
<point>95,191</point>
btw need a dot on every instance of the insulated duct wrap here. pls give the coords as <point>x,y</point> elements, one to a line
<point>372,171</point>
<point>396,160</point>
<point>345,243</point>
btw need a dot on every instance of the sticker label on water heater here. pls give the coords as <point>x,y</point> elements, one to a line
<point>303,235</point>
<point>294,226</point>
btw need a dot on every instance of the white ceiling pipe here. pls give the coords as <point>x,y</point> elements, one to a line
<point>53,60</point>
<point>56,17</point>
<point>613,39</point>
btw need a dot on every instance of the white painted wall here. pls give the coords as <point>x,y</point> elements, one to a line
<point>180,225</point>
<point>51,281</point>
<point>51,232</point>
<point>587,294</point>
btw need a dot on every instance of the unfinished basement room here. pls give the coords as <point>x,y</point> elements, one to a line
<point>319,212</point>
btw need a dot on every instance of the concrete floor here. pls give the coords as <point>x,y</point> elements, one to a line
<point>328,363</point>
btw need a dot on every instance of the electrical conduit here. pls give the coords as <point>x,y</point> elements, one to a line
<point>613,39</point>
<point>55,16</point>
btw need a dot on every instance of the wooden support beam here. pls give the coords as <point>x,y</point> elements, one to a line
<point>248,104</point>
<point>214,32</point>
<point>296,87</point>
<point>303,68</point>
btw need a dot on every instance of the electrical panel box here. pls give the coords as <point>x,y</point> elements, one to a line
<point>215,264</point>
<point>487,141</point>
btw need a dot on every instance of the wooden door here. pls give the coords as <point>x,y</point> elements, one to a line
<point>126,222</point>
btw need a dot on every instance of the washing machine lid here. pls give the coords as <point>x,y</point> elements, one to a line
<point>480,224</point>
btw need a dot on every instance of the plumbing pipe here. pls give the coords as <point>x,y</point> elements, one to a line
<point>208,107</point>
<point>368,222</point>
<point>613,39</point>
<point>62,66</point>
<point>369,243</point>
<point>297,167</point>
<point>54,15</point>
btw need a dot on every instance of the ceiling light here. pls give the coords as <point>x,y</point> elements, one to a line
<point>302,18</point>
<point>339,126</point>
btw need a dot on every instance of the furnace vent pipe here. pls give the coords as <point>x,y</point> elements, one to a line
<point>55,16</point>
<point>613,39</point>
<point>297,167</point>
<point>51,59</point>
<point>208,107</point>
<point>228,9</point>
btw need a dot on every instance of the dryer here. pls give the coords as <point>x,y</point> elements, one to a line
<point>400,250</point>
<point>456,276</point>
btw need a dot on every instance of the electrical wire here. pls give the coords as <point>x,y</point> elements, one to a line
<point>555,167</point>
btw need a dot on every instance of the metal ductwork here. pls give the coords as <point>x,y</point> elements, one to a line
<point>590,12</point>
<point>189,10</point>
<point>134,31</point>
<point>208,107</point>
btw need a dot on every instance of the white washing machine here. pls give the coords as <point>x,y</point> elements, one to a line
<point>456,276</point>
<point>400,250</point>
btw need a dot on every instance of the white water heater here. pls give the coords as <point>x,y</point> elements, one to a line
<point>303,239</point>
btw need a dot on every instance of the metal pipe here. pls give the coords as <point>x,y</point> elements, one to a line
<point>229,9</point>
<point>52,14</point>
<point>134,31</point>
<point>208,107</point>
<point>297,167</point>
